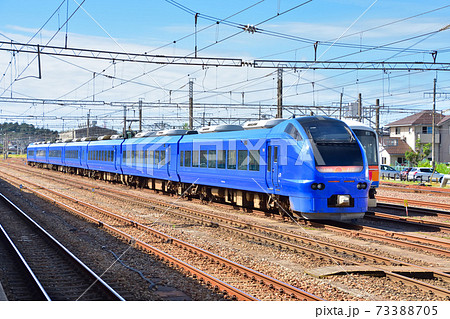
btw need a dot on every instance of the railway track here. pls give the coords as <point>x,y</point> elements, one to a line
<point>416,189</point>
<point>290,241</point>
<point>50,270</point>
<point>418,211</point>
<point>410,221</point>
<point>414,204</point>
<point>158,243</point>
<point>22,282</point>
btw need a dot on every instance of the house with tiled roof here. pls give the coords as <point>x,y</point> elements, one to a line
<point>404,133</point>
<point>392,150</point>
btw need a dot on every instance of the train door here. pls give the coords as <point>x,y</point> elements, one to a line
<point>272,179</point>
<point>115,153</point>
<point>168,157</point>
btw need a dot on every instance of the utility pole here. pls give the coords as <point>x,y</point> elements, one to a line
<point>360,107</point>
<point>340,104</point>
<point>280,94</point>
<point>377,115</point>
<point>433,128</point>
<point>124,121</point>
<point>88,123</point>
<point>191,104</point>
<point>140,115</point>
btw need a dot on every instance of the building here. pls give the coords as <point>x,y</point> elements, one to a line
<point>93,131</point>
<point>392,150</point>
<point>404,133</point>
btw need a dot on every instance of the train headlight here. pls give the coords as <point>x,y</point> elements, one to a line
<point>317,186</point>
<point>361,185</point>
<point>343,200</point>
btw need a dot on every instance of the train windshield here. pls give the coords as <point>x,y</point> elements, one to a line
<point>368,140</point>
<point>333,144</point>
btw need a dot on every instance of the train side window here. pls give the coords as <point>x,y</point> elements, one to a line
<point>195,158</point>
<point>187,158</point>
<point>221,156</point>
<point>182,158</point>
<point>212,159</point>
<point>157,159</point>
<point>254,160</point>
<point>163,158</point>
<point>203,158</point>
<point>231,159</point>
<point>168,152</point>
<point>151,158</point>
<point>269,158</point>
<point>293,132</point>
<point>124,156</point>
<point>242,160</point>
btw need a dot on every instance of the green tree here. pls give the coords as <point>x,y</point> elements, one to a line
<point>422,151</point>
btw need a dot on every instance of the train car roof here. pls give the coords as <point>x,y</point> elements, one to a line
<point>153,139</point>
<point>243,135</point>
<point>105,142</point>
<point>357,125</point>
<point>77,144</point>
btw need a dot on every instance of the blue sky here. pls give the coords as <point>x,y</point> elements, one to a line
<point>153,26</point>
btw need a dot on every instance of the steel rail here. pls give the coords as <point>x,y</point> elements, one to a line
<point>412,203</point>
<point>271,282</point>
<point>162,255</point>
<point>111,293</point>
<point>444,227</point>
<point>201,215</point>
<point>30,277</point>
<point>387,236</point>
<point>392,275</point>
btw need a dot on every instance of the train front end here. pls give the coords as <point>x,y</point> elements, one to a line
<point>334,177</point>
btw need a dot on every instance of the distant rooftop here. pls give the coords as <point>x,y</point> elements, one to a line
<point>421,118</point>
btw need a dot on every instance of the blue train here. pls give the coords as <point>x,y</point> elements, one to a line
<point>314,167</point>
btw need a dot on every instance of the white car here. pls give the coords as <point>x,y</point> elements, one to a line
<point>387,171</point>
<point>424,174</point>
